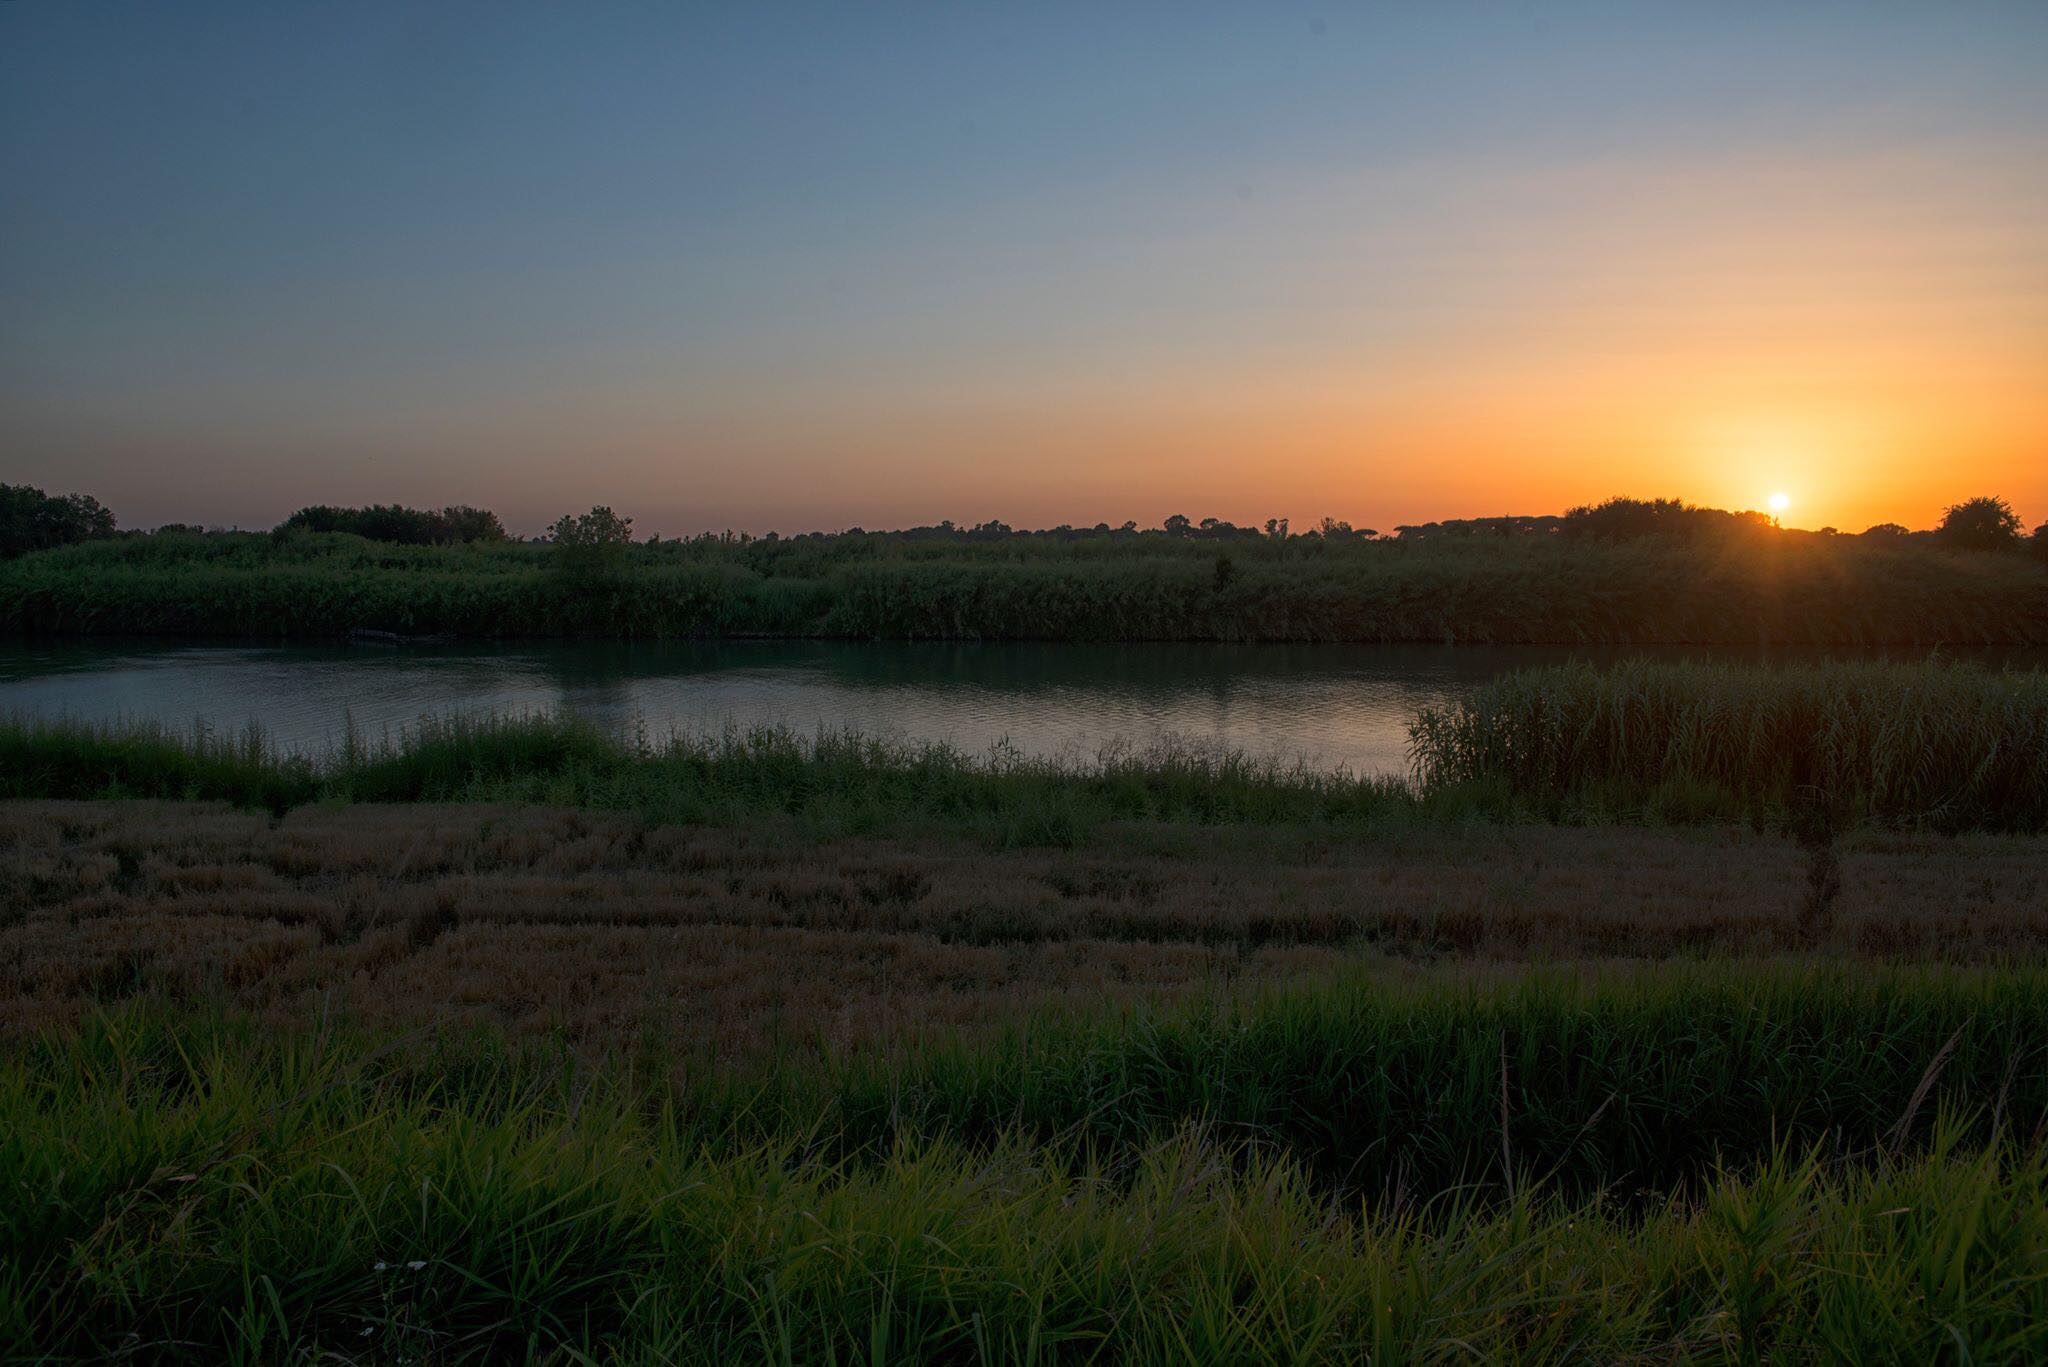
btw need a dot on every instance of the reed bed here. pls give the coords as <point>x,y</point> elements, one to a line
<point>1935,745</point>
<point>1784,589</point>
<point>198,1190</point>
<point>1812,747</point>
<point>835,782</point>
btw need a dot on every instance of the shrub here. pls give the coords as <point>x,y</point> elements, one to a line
<point>31,520</point>
<point>1980,524</point>
<point>457,523</point>
<point>590,549</point>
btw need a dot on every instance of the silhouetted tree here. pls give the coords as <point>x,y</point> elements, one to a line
<point>590,549</point>
<point>1886,531</point>
<point>2038,542</point>
<point>1625,518</point>
<point>31,520</point>
<point>400,525</point>
<point>1980,524</point>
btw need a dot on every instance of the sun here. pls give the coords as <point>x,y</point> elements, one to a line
<point>1780,502</point>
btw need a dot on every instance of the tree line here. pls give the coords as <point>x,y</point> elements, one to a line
<point>32,520</point>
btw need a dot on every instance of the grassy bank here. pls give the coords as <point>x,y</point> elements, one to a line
<point>1812,747</point>
<point>833,783</point>
<point>1776,588</point>
<point>1924,745</point>
<point>1715,1167</point>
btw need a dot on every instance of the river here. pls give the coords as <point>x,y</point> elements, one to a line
<point>1333,705</point>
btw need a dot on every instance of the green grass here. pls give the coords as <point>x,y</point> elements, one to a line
<point>1929,745</point>
<point>1806,747</point>
<point>214,1192</point>
<point>833,783</point>
<point>1783,587</point>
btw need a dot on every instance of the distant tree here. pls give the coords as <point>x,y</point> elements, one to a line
<point>1178,525</point>
<point>1980,524</point>
<point>31,520</point>
<point>464,523</point>
<point>400,525</point>
<point>590,549</point>
<point>1624,518</point>
<point>1886,531</point>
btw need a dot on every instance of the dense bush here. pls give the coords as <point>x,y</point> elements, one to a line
<point>31,520</point>
<point>1980,524</point>
<point>402,526</point>
<point>1773,587</point>
<point>1620,518</point>
<point>590,549</point>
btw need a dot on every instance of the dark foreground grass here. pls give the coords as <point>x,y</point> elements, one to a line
<point>1862,1178</point>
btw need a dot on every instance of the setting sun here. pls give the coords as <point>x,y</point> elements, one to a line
<point>1779,503</point>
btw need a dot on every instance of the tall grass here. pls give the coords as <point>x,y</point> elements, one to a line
<point>1814,746</point>
<point>1782,589</point>
<point>1936,745</point>
<point>838,782</point>
<point>203,1191</point>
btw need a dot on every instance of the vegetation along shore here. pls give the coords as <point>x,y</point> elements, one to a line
<point>1670,1010</point>
<point>1625,572</point>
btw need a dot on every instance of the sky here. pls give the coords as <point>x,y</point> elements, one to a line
<point>804,267</point>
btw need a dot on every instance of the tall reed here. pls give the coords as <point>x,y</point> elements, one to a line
<point>1938,745</point>
<point>1790,589</point>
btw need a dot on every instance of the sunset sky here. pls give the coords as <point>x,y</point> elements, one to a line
<point>807,267</point>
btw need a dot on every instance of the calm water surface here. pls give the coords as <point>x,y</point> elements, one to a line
<point>1332,704</point>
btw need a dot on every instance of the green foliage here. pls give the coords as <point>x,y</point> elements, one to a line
<point>1980,524</point>
<point>1775,587</point>
<point>1811,747</point>
<point>1937,745</point>
<point>590,548</point>
<point>453,525</point>
<point>834,782</point>
<point>31,520</point>
<point>207,1191</point>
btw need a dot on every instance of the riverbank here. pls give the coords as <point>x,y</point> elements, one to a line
<point>1813,748</point>
<point>1763,588</point>
<point>1667,1011</point>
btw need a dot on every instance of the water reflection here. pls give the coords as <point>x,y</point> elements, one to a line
<point>1333,704</point>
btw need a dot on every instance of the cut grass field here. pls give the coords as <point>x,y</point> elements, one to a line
<point>740,941</point>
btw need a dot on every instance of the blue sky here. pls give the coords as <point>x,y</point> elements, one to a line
<point>810,266</point>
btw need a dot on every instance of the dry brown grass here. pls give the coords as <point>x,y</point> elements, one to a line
<point>606,928</point>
